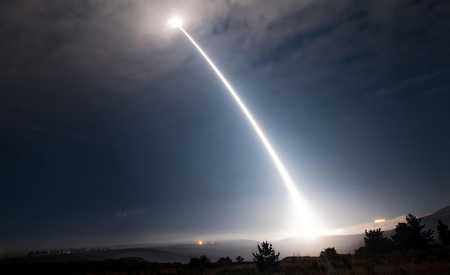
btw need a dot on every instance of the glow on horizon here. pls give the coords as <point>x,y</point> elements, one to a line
<point>307,222</point>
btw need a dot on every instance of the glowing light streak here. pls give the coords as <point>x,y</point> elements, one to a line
<point>308,223</point>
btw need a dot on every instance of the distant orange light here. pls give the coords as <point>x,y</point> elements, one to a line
<point>199,242</point>
<point>380,221</point>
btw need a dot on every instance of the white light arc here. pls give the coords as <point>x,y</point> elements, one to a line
<point>308,221</point>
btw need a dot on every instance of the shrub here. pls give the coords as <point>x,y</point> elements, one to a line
<point>443,233</point>
<point>329,253</point>
<point>225,261</point>
<point>376,243</point>
<point>239,260</point>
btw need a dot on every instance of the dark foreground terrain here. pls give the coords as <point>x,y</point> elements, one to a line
<point>411,248</point>
<point>413,263</point>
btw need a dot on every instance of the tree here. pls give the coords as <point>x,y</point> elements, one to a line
<point>376,243</point>
<point>266,259</point>
<point>444,233</point>
<point>239,260</point>
<point>411,235</point>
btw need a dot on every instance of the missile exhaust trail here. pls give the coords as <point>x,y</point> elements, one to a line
<point>308,221</point>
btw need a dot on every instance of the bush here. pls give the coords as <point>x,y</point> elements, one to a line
<point>329,253</point>
<point>376,243</point>
<point>443,233</point>
<point>239,260</point>
<point>225,261</point>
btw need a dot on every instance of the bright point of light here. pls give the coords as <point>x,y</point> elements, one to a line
<point>306,223</point>
<point>379,221</point>
<point>200,242</point>
<point>175,22</point>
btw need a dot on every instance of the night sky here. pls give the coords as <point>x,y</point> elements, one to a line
<point>114,130</point>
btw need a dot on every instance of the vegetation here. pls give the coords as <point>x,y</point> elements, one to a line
<point>199,265</point>
<point>411,235</point>
<point>443,233</point>
<point>331,261</point>
<point>225,261</point>
<point>239,260</point>
<point>329,253</point>
<point>266,259</point>
<point>376,243</point>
